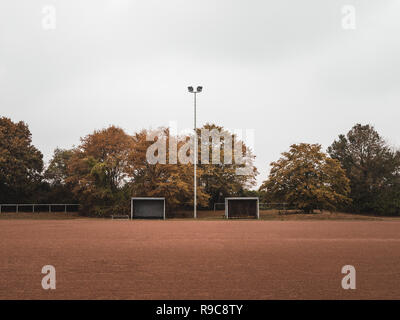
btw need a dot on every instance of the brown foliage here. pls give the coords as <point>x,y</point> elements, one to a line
<point>20,162</point>
<point>307,178</point>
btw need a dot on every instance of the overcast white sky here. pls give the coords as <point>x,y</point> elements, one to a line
<point>286,69</point>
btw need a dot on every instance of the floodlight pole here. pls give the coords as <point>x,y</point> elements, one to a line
<point>198,90</point>
<point>195,161</point>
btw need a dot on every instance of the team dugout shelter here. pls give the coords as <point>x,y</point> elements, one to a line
<point>242,207</point>
<point>147,208</point>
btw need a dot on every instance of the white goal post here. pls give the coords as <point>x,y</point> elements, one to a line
<point>147,208</point>
<point>217,204</point>
<point>242,207</point>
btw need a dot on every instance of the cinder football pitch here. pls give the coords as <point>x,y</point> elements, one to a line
<point>177,259</point>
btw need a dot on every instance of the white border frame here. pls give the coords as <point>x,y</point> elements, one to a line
<point>242,198</point>
<point>146,198</point>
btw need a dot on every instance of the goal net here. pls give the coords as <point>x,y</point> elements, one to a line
<point>242,207</point>
<point>219,206</point>
<point>148,208</point>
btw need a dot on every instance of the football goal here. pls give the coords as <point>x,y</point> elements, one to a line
<point>219,206</point>
<point>147,208</point>
<point>242,207</point>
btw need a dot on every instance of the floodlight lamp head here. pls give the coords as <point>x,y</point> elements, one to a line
<point>190,89</point>
<point>199,89</point>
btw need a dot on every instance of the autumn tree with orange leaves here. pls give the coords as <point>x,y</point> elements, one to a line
<point>229,174</point>
<point>98,169</point>
<point>171,179</point>
<point>307,178</point>
<point>21,163</point>
<point>110,166</point>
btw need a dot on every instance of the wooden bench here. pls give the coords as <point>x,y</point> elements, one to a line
<point>120,217</point>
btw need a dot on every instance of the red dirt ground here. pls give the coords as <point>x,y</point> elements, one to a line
<point>103,259</point>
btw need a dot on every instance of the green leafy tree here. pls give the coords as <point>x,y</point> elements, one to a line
<point>372,167</point>
<point>56,174</point>
<point>97,171</point>
<point>21,163</point>
<point>307,178</point>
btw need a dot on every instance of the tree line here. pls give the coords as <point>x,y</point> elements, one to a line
<point>359,172</point>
